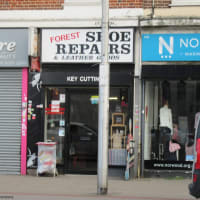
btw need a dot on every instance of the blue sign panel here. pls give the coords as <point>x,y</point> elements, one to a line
<point>171,47</point>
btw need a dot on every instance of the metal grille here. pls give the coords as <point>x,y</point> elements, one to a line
<point>10,120</point>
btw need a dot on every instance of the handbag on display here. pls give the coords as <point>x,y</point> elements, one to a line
<point>175,135</point>
<point>173,146</point>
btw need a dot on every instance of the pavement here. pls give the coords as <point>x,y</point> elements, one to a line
<point>85,187</point>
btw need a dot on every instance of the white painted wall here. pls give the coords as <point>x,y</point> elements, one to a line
<point>74,14</point>
<point>175,12</point>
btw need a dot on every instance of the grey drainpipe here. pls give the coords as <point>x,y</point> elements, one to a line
<point>153,7</point>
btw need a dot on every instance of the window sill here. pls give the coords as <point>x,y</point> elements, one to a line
<point>175,3</point>
<point>183,5</point>
<point>82,2</point>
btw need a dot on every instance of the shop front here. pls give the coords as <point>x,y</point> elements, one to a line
<point>13,100</point>
<point>70,77</point>
<point>171,84</point>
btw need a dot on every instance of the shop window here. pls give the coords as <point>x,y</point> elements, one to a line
<point>71,120</point>
<point>171,108</point>
<point>119,118</point>
<point>55,120</point>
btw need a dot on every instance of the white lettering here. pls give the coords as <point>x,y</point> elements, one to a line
<point>2,44</point>
<point>7,46</point>
<point>194,43</point>
<point>89,79</point>
<point>169,47</point>
<point>11,46</point>
<point>82,78</point>
<point>72,78</point>
<point>182,42</point>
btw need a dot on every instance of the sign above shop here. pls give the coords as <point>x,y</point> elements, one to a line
<point>85,78</point>
<point>82,78</point>
<point>84,45</point>
<point>171,47</point>
<point>13,47</point>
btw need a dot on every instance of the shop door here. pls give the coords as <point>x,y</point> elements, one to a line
<point>81,138</point>
<point>72,122</point>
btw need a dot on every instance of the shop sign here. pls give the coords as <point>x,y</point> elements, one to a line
<point>84,45</point>
<point>13,47</point>
<point>171,47</point>
<point>82,79</point>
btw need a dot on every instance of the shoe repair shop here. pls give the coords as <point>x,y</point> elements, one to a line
<point>70,66</point>
<point>171,100</point>
<point>13,100</point>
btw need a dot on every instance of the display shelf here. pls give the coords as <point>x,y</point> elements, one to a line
<point>118,119</point>
<point>118,136</point>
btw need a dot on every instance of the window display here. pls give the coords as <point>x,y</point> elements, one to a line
<point>118,131</point>
<point>118,118</point>
<point>118,127</point>
<point>169,124</point>
<point>166,130</point>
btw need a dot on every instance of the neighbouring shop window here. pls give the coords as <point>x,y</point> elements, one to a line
<point>169,123</point>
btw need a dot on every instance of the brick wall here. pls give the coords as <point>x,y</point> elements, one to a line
<point>157,3</point>
<point>58,4</point>
<point>139,3</point>
<point>126,3</point>
<point>30,4</point>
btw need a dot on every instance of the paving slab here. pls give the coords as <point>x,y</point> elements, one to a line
<point>86,186</point>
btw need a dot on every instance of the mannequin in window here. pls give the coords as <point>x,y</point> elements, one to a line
<point>166,129</point>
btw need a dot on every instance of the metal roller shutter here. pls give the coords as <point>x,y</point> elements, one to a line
<point>10,120</point>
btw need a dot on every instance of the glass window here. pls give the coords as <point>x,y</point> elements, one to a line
<point>171,109</point>
<point>79,108</point>
<point>83,133</point>
<point>119,120</point>
<point>55,120</point>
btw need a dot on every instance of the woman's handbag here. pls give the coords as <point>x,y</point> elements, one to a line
<point>173,146</point>
<point>175,135</point>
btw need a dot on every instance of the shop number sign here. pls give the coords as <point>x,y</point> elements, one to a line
<point>84,45</point>
<point>171,47</point>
